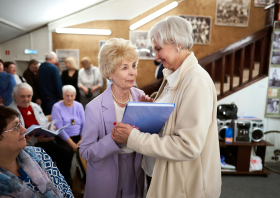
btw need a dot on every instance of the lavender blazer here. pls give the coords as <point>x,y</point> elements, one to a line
<point>100,150</point>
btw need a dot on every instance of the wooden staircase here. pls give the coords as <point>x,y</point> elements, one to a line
<point>235,66</point>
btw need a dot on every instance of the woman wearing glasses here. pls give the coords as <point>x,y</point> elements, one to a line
<point>26,171</point>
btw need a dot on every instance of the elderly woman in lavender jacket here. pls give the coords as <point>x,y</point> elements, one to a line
<point>113,170</point>
<point>69,112</point>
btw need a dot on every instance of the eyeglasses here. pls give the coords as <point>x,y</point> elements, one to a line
<point>16,128</point>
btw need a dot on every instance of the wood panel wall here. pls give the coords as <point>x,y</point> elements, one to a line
<point>221,36</point>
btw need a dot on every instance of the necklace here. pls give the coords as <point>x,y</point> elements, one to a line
<point>119,101</point>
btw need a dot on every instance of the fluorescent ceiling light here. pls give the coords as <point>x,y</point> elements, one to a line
<point>154,15</point>
<point>83,31</point>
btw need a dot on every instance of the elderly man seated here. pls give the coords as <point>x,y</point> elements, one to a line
<point>31,113</point>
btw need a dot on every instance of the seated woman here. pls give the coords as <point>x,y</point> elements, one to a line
<point>69,112</point>
<point>26,171</point>
<point>113,170</point>
<point>89,81</point>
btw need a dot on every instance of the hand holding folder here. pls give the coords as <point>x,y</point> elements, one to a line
<point>149,117</point>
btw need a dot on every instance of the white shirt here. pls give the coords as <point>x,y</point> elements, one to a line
<point>119,115</point>
<point>18,80</point>
<point>148,162</point>
<point>90,78</point>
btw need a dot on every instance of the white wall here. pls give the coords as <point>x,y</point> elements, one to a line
<point>251,101</point>
<point>37,40</point>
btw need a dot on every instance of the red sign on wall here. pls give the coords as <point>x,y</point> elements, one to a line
<point>7,52</point>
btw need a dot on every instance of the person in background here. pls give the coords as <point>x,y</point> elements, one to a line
<point>31,76</point>
<point>187,148</point>
<point>158,73</point>
<point>49,83</point>
<point>69,111</point>
<point>26,171</point>
<point>113,170</point>
<point>7,83</point>
<point>2,102</point>
<point>30,113</point>
<point>10,67</point>
<point>70,76</point>
<point>89,81</point>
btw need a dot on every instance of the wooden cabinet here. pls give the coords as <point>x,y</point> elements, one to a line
<point>244,155</point>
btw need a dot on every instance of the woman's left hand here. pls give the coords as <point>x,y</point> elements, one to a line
<point>121,132</point>
<point>78,144</point>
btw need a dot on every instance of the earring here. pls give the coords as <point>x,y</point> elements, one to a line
<point>178,49</point>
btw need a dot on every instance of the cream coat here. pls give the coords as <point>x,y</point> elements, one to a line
<point>188,157</point>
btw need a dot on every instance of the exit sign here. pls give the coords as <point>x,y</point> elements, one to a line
<point>7,52</point>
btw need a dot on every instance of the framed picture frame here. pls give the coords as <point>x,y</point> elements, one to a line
<point>232,13</point>
<point>144,48</point>
<point>101,43</point>
<point>262,3</point>
<point>62,54</point>
<point>201,28</point>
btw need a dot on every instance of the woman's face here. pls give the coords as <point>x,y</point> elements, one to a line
<point>68,98</point>
<point>125,75</point>
<point>1,67</point>
<point>168,55</point>
<point>86,66</point>
<point>11,69</point>
<point>13,141</point>
<point>67,64</point>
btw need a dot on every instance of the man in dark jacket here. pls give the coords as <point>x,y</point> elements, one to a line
<point>49,83</point>
<point>31,76</point>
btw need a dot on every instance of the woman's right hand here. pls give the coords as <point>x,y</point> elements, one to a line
<point>75,147</point>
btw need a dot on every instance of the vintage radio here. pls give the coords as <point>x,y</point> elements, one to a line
<point>257,130</point>
<point>222,126</point>
<point>242,130</point>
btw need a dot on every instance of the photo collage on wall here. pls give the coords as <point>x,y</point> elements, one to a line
<point>201,28</point>
<point>144,48</point>
<point>62,54</point>
<point>232,12</point>
<point>273,93</point>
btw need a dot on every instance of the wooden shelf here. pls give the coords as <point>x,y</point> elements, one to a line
<point>244,155</point>
<point>264,172</point>
<point>261,143</point>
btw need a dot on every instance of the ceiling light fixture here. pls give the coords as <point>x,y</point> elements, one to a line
<point>83,31</point>
<point>154,15</point>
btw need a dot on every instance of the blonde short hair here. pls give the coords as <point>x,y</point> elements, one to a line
<point>113,53</point>
<point>172,30</point>
<point>86,61</point>
<point>72,62</point>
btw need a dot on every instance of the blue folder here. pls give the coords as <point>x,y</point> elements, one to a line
<point>149,117</point>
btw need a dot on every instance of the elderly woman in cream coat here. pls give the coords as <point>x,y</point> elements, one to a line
<point>187,151</point>
<point>113,170</point>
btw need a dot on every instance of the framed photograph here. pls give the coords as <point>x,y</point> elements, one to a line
<point>274,77</point>
<point>62,54</point>
<point>275,59</point>
<point>272,105</point>
<point>201,28</point>
<point>276,40</point>
<point>262,3</point>
<point>101,43</point>
<point>272,92</point>
<point>232,13</point>
<point>144,48</point>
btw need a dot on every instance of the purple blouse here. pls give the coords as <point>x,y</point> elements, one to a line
<point>63,115</point>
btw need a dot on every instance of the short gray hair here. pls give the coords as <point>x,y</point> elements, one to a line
<point>21,86</point>
<point>172,30</point>
<point>68,88</point>
<point>50,55</point>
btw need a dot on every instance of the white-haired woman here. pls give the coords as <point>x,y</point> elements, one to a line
<point>187,150</point>
<point>70,76</point>
<point>69,111</point>
<point>113,170</point>
<point>89,81</point>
